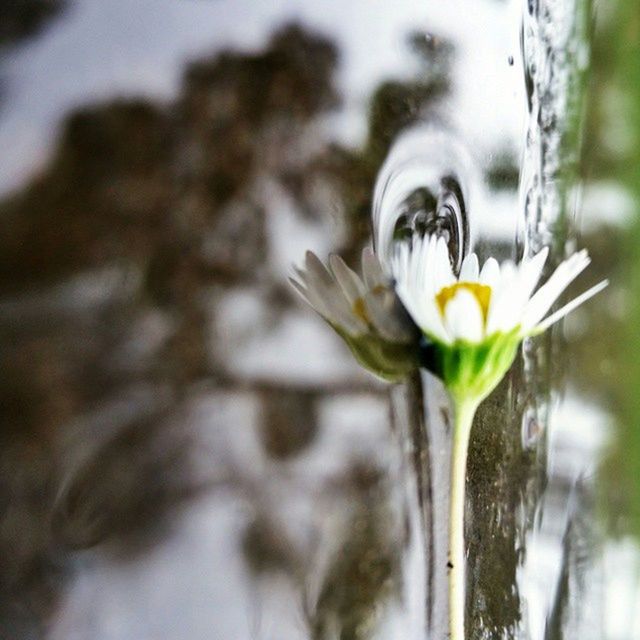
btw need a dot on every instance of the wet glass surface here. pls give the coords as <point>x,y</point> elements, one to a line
<point>187,451</point>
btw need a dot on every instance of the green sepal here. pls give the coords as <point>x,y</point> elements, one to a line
<point>391,361</point>
<point>471,371</point>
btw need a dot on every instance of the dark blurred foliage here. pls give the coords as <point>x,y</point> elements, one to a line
<point>239,114</point>
<point>105,197</point>
<point>137,460</point>
<point>363,571</point>
<point>21,19</point>
<point>130,181</point>
<point>110,259</point>
<point>267,548</point>
<point>345,598</point>
<point>104,270</point>
<point>289,422</point>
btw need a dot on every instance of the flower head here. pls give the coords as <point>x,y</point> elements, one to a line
<point>475,322</point>
<point>366,312</point>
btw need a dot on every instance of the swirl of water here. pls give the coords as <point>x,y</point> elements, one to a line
<point>427,185</point>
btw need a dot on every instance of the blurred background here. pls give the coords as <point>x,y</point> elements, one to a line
<point>189,452</point>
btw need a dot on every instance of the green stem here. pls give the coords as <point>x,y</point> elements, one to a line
<point>464,413</point>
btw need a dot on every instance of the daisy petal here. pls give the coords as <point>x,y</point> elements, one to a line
<point>514,295</point>
<point>311,297</point>
<point>346,278</point>
<point>443,274</point>
<point>300,289</point>
<point>502,313</point>
<point>317,270</point>
<point>424,313</point>
<point>322,293</point>
<point>463,317</point>
<point>400,263</point>
<point>531,271</point>
<point>490,272</point>
<point>549,292</point>
<point>470,269</point>
<point>389,325</point>
<point>570,306</point>
<point>332,306</point>
<point>372,271</point>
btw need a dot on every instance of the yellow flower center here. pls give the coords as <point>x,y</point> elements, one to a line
<point>481,292</point>
<point>359,307</point>
<point>360,310</point>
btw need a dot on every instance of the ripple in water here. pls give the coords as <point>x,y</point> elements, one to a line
<point>426,186</point>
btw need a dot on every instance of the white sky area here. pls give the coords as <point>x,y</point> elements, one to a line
<point>100,50</point>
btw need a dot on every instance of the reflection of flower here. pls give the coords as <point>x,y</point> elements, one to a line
<point>473,325</point>
<point>475,322</point>
<point>367,314</point>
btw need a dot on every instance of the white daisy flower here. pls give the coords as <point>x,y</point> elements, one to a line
<point>473,325</point>
<point>476,321</point>
<point>366,313</point>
